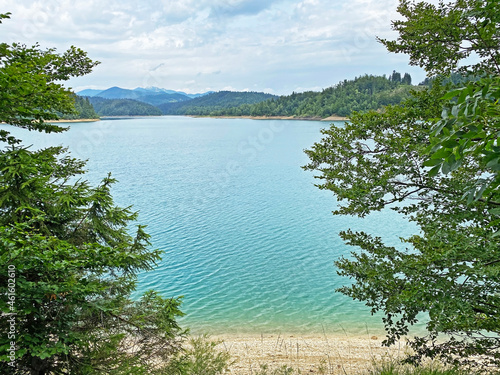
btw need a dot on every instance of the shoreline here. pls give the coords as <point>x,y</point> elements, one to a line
<point>342,354</point>
<point>330,118</point>
<point>75,120</point>
<point>326,119</point>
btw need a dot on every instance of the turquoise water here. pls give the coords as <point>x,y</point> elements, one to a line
<point>248,240</point>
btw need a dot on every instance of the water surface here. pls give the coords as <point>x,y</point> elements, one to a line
<point>248,240</point>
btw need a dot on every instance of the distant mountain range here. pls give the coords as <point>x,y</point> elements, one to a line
<point>151,95</point>
<point>116,101</point>
<point>206,105</point>
<point>364,93</point>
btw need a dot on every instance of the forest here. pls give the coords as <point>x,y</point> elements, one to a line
<point>364,93</point>
<point>123,107</point>
<point>209,104</point>
<point>83,110</point>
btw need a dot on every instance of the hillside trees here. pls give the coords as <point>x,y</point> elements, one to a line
<point>214,103</point>
<point>83,110</point>
<point>361,94</point>
<point>123,107</point>
<point>450,269</point>
<point>69,260</point>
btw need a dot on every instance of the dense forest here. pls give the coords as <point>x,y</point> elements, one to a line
<point>83,110</point>
<point>361,94</point>
<point>218,101</point>
<point>364,93</point>
<point>123,107</point>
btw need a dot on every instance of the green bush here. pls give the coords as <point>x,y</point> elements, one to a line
<point>201,357</point>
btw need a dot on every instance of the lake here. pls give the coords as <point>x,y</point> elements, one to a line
<point>248,240</point>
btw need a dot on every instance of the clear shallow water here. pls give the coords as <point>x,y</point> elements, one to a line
<point>247,238</point>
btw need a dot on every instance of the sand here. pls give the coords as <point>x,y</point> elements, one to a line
<point>331,118</point>
<point>311,354</point>
<point>75,120</point>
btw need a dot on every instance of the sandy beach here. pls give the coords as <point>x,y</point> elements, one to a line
<point>311,354</point>
<point>75,120</point>
<point>330,118</point>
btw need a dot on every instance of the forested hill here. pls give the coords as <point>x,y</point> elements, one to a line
<point>218,101</point>
<point>364,93</point>
<point>83,108</point>
<point>361,94</point>
<point>123,107</point>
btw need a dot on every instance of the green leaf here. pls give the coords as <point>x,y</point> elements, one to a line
<point>432,162</point>
<point>434,171</point>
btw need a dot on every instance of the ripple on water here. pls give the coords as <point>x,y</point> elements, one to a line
<point>251,250</point>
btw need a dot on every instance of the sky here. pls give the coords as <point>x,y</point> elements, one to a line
<point>194,46</point>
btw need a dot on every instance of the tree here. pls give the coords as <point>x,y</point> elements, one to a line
<point>71,260</point>
<point>395,77</point>
<point>450,270</point>
<point>406,80</point>
<point>83,108</point>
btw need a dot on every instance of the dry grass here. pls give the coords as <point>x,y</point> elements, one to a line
<point>306,354</point>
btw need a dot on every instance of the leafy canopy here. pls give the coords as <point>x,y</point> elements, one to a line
<point>450,270</point>
<point>72,257</point>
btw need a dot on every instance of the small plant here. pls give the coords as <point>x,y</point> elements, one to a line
<point>394,368</point>
<point>201,357</point>
<point>283,370</point>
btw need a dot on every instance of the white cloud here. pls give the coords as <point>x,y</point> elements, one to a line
<point>277,45</point>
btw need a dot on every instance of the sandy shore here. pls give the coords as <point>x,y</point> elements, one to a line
<point>335,118</point>
<point>331,118</point>
<point>76,120</point>
<point>311,354</point>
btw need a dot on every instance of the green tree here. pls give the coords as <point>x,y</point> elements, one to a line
<point>450,270</point>
<point>406,80</point>
<point>68,256</point>
<point>83,110</point>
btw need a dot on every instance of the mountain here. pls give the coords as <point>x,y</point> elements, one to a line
<point>364,93</point>
<point>205,105</point>
<point>163,98</point>
<point>152,90</point>
<point>89,92</point>
<point>154,96</point>
<point>119,93</point>
<point>123,107</point>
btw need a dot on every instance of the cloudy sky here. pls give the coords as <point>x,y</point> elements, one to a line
<point>276,46</point>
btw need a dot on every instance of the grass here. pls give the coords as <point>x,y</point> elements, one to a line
<point>203,356</point>
<point>394,368</point>
<point>380,368</point>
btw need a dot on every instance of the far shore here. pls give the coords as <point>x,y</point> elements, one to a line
<point>340,354</point>
<point>75,120</point>
<point>330,118</point>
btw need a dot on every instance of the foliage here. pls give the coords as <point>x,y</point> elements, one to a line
<point>212,104</point>
<point>450,270</point>
<point>468,128</point>
<point>75,267</point>
<point>441,37</point>
<point>123,107</point>
<point>201,357</point>
<point>391,367</point>
<point>83,109</point>
<point>448,34</point>
<point>71,257</point>
<point>30,95</point>
<point>283,370</point>
<point>361,94</point>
